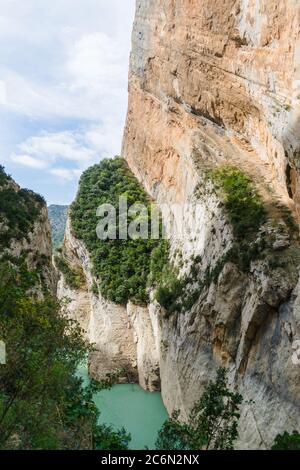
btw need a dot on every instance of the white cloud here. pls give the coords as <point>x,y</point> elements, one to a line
<point>3,93</point>
<point>47,150</point>
<point>86,80</point>
<point>63,145</point>
<point>66,65</point>
<point>98,63</point>
<point>66,154</point>
<point>106,138</point>
<point>65,174</point>
<point>28,160</point>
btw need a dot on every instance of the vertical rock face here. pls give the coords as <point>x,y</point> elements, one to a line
<point>213,83</point>
<point>122,335</point>
<point>145,331</point>
<point>214,80</point>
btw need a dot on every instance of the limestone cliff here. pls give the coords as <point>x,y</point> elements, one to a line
<point>25,230</point>
<point>216,83</point>
<point>123,336</point>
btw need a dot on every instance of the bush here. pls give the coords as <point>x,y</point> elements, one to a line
<point>243,204</point>
<point>43,404</point>
<point>213,422</point>
<point>246,213</point>
<point>18,208</point>
<point>287,441</point>
<point>121,266</point>
<point>73,278</point>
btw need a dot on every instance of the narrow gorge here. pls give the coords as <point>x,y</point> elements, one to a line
<point>212,127</point>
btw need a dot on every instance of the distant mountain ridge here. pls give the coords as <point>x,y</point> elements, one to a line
<point>58,219</point>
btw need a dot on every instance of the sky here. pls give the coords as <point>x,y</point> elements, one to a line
<point>63,89</point>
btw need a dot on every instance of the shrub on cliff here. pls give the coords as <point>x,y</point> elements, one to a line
<point>19,209</point>
<point>213,422</point>
<point>247,212</point>
<point>73,278</point>
<point>287,441</point>
<point>243,204</point>
<point>121,266</point>
<point>169,289</point>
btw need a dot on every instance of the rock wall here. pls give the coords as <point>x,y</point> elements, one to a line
<point>219,80</point>
<point>123,336</point>
<point>210,83</point>
<point>36,246</point>
<point>145,327</point>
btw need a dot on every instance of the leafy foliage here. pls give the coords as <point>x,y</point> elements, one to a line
<point>43,403</point>
<point>58,218</point>
<point>287,441</point>
<point>19,209</point>
<point>163,276</point>
<point>246,213</point>
<point>74,278</point>
<point>174,293</point>
<point>121,266</point>
<point>4,178</point>
<point>213,422</point>
<point>243,204</point>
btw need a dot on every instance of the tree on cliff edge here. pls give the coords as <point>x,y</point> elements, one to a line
<point>213,422</point>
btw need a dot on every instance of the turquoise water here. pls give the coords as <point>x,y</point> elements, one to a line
<point>141,413</point>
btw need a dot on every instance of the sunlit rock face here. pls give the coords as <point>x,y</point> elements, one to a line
<point>214,80</point>
<point>212,83</point>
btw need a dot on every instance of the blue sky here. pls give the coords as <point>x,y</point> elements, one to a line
<point>63,89</point>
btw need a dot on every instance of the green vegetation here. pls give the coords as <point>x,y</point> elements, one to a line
<point>247,213</point>
<point>287,441</point>
<point>213,422</point>
<point>4,178</point>
<point>243,204</point>
<point>173,293</point>
<point>121,266</point>
<point>18,210</point>
<point>164,277</point>
<point>127,269</point>
<point>43,403</point>
<point>58,218</point>
<point>74,278</point>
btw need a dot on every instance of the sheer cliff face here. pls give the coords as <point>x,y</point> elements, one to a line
<point>217,80</point>
<point>123,336</point>
<point>212,83</point>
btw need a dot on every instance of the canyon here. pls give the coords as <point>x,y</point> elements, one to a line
<point>211,85</point>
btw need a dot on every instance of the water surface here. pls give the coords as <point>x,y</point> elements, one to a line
<point>141,413</point>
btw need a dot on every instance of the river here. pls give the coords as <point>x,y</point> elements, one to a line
<point>141,413</point>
